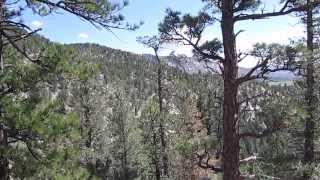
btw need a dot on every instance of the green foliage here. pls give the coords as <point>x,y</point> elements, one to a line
<point>43,136</point>
<point>103,13</point>
<point>115,92</point>
<point>184,146</point>
<point>132,77</point>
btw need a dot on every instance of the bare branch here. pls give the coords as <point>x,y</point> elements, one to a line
<point>253,176</point>
<point>206,165</point>
<point>262,134</point>
<point>249,159</point>
<point>34,155</point>
<point>20,37</point>
<point>195,46</point>
<point>24,53</point>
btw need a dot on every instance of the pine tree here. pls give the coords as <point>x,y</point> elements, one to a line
<point>101,14</point>
<point>188,29</point>
<point>310,94</point>
<point>155,43</point>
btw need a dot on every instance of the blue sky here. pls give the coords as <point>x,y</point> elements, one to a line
<point>66,28</point>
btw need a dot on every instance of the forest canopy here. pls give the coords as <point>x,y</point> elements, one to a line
<point>70,109</point>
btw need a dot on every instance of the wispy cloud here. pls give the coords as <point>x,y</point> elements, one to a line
<point>83,35</point>
<point>37,24</point>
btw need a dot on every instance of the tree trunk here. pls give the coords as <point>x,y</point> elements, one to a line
<point>4,164</point>
<point>231,147</point>
<point>3,160</point>
<point>309,94</point>
<point>86,129</point>
<point>155,157</point>
<point>124,155</point>
<point>163,155</point>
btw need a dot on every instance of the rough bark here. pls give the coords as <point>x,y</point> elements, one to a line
<point>310,97</point>
<point>231,147</point>
<point>4,164</point>
<point>155,157</point>
<point>164,157</point>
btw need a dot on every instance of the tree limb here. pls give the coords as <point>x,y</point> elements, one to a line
<point>262,134</point>
<point>283,11</point>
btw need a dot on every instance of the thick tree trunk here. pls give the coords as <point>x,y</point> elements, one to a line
<point>4,164</point>
<point>231,146</point>
<point>310,94</point>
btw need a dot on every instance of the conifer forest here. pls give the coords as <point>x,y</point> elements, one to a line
<point>198,90</point>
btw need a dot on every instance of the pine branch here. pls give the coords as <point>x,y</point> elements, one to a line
<point>106,21</point>
<point>286,9</point>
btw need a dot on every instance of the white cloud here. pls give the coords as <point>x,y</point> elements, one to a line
<point>282,36</point>
<point>37,24</point>
<point>83,35</point>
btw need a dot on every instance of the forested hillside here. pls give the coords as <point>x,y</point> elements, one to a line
<point>121,108</point>
<point>88,111</point>
<point>114,95</point>
<point>124,119</point>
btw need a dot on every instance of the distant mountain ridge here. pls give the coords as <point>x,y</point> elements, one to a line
<point>187,64</point>
<point>192,65</point>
